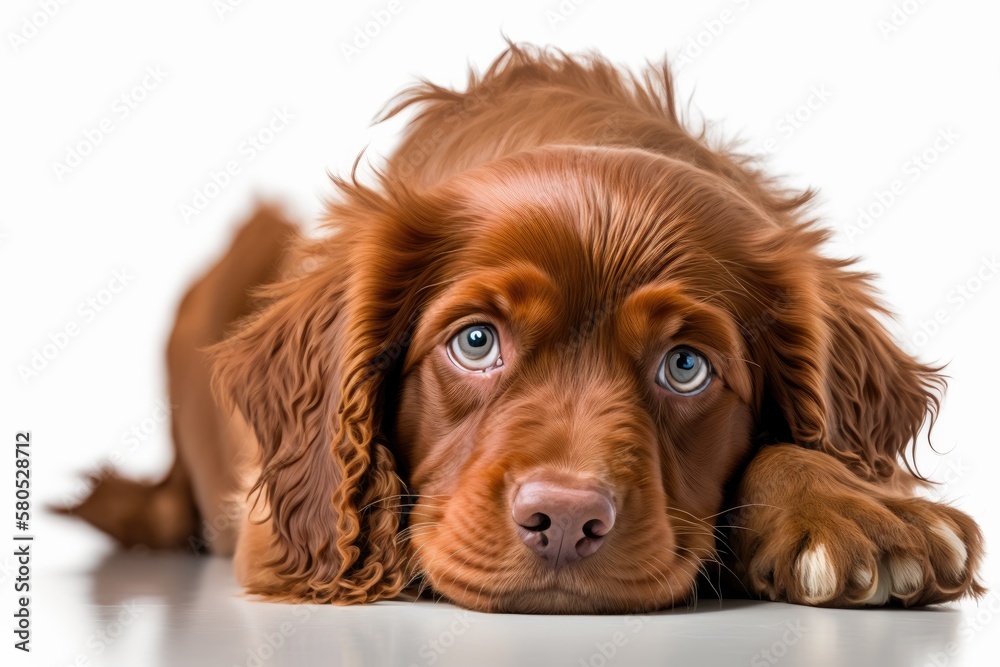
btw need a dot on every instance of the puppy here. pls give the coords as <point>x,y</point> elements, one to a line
<point>531,368</point>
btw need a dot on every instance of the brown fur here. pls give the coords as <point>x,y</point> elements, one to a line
<point>565,203</point>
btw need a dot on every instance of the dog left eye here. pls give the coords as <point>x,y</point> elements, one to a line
<point>475,348</point>
<point>684,371</point>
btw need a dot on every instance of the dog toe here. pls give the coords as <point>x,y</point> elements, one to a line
<point>817,575</point>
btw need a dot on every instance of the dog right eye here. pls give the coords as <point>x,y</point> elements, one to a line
<point>475,348</point>
<point>684,371</point>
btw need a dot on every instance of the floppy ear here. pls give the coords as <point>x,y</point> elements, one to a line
<point>835,376</point>
<point>308,373</point>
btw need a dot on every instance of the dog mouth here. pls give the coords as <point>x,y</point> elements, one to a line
<point>459,556</point>
<point>641,585</point>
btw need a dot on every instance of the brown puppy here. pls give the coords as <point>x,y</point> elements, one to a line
<point>534,364</point>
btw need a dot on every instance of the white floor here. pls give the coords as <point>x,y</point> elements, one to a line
<point>96,606</point>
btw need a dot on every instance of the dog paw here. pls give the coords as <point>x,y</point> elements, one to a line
<point>862,551</point>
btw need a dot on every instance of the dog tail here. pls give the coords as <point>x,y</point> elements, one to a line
<point>157,515</point>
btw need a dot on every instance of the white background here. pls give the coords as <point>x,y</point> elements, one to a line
<point>891,82</point>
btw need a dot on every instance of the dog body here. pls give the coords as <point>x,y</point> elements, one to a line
<point>534,365</point>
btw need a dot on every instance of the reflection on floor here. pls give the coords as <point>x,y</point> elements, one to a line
<point>153,609</point>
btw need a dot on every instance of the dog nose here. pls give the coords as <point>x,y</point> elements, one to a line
<point>561,524</point>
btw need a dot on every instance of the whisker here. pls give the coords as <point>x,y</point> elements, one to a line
<point>701,571</point>
<point>731,509</point>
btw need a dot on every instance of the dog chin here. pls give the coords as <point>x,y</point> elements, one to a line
<point>566,599</point>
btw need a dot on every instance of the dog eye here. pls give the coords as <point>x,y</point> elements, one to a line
<point>475,348</point>
<point>684,371</point>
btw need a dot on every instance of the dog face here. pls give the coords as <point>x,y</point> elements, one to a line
<point>571,403</point>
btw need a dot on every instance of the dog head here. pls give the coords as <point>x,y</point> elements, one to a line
<point>533,384</point>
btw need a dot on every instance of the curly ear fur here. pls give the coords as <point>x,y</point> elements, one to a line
<point>833,373</point>
<point>309,374</point>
